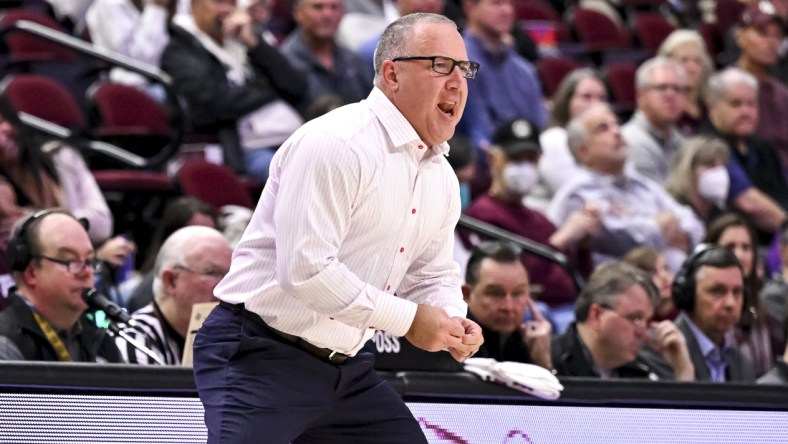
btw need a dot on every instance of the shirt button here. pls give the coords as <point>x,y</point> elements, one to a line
<point>421,147</point>
<point>402,250</point>
<point>413,211</point>
<point>388,287</point>
<point>331,318</point>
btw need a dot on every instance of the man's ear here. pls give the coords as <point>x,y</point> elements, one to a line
<point>594,312</point>
<point>466,292</point>
<point>388,74</point>
<point>168,277</point>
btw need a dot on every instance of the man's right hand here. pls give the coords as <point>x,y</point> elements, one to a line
<point>433,330</point>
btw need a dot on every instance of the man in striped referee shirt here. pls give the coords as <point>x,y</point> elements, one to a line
<point>189,265</point>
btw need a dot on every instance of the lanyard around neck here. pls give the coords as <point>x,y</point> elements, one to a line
<point>53,338</point>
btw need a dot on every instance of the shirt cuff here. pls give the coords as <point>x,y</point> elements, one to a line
<point>393,315</point>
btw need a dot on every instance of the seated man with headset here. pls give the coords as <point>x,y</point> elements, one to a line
<point>709,291</point>
<point>52,261</point>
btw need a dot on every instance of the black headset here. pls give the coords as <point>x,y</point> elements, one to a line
<point>18,254</point>
<point>683,289</point>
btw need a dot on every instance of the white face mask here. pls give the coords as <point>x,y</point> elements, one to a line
<point>519,177</point>
<point>713,184</point>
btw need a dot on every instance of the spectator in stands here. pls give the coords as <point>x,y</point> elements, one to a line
<point>181,212</point>
<point>613,313</point>
<point>774,295</point>
<point>133,28</point>
<point>189,265</point>
<point>236,85</point>
<point>760,33</point>
<point>364,20</point>
<point>634,211</point>
<point>497,292</point>
<point>687,47</point>
<point>331,69</point>
<point>260,12</point>
<point>704,179</point>
<point>732,100</point>
<point>578,90</point>
<point>652,262</point>
<point>52,260</point>
<point>756,337</point>
<point>507,87</point>
<point>779,374</point>
<point>652,133</point>
<point>699,177</point>
<point>514,155</point>
<point>709,291</point>
<point>34,177</point>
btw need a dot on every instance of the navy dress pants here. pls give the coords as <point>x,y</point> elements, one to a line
<point>258,388</point>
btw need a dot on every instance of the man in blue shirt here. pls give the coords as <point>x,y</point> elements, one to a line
<point>507,87</point>
<point>709,291</point>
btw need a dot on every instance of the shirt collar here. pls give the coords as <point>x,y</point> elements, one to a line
<point>639,119</point>
<point>397,126</point>
<point>707,346</point>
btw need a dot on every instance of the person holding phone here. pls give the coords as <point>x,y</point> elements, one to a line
<point>498,296</point>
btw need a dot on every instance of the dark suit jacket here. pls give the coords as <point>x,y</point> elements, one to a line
<point>739,368</point>
<point>215,105</point>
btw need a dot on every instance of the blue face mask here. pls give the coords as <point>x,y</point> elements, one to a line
<point>465,195</point>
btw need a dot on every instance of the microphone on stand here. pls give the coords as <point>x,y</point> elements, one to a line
<point>116,314</point>
<point>100,302</point>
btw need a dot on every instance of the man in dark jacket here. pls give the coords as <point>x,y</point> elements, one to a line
<point>236,85</point>
<point>613,313</point>
<point>52,261</point>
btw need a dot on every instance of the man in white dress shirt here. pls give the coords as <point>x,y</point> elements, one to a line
<point>360,205</point>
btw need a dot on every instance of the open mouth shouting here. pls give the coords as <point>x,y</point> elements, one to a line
<point>448,108</point>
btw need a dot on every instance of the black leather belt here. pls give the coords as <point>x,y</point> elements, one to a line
<point>324,354</point>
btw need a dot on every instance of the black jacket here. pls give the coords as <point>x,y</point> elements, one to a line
<point>513,349</point>
<point>570,359</point>
<point>214,104</point>
<point>20,327</point>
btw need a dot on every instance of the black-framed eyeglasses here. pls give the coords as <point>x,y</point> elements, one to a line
<point>74,266</point>
<point>445,65</point>
<point>218,274</point>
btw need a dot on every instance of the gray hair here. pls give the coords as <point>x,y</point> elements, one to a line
<point>721,81</point>
<point>695,151</point>
<point>576,131</point>
<point>396,37</point>
<point>682,37</point>
<point>607,283</point>
<point>178,249</point>
<point>644,74</point>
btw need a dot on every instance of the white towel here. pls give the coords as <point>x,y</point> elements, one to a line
<point>531,379</point>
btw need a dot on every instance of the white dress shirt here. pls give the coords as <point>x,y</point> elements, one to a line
<point>356,208</point>
<point>628,205</point>
<point>117,25</point>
